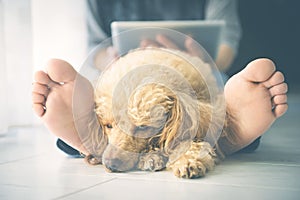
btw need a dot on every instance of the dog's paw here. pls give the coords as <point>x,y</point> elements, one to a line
<point>152,161</point>
<point>196,162</point>
<point>184,168</point>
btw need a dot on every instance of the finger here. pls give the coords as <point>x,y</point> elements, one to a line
<point>148,43</point>
<point>192,48</point>
<point>166,42</point>
<point>112,52</point>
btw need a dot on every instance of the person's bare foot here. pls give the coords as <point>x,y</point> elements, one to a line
<point>257,97</point>
<point>53,99</point>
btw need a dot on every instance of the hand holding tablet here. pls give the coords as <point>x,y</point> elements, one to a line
<point>157,33</point>
<point>165,42</point>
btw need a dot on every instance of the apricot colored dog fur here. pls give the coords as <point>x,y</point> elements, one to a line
<point>157,111</point>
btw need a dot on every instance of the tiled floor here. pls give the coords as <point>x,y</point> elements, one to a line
<point>32,168</point>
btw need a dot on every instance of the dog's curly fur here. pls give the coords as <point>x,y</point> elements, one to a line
<point>155,110</point>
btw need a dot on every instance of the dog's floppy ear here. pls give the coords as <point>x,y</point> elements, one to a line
<point>182,124</point>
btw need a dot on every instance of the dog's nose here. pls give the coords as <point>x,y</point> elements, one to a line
<point>113,165</point>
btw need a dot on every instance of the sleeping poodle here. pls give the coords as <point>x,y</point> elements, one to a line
<point>156,110</point>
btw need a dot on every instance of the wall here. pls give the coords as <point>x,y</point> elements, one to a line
<point>16,67</point>
<point>271,29</point>
<point>59,31</point>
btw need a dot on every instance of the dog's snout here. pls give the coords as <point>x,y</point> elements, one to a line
<point>117,159</point>
<point>114,165</point>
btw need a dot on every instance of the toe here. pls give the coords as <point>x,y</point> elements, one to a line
<point>42,78</point>
<point>259,70</point>
<point>278,89</point>
<point>38,109</point>
<point>40,89</point>
<point>60,71</point>
<point>39,94</point>
<point>280,109</point>
<point>275,79</point>
<point>38,98</point>
<point>279,99</point>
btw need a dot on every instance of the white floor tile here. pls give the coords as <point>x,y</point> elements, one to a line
<point>31,167</point>
<point>142,189</point>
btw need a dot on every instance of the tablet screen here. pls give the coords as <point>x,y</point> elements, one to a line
<point>206,33</point>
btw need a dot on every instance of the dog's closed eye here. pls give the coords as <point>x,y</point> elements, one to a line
<point>145,131</point>
<point>109,126</point>
<point>142,127</point>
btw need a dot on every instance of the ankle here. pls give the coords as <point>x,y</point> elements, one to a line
<point>229,141</point>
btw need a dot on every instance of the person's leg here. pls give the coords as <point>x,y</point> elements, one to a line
<point>52,97</point>
<point>257,97</point>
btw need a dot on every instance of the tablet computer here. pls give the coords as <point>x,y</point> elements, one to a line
<point>206,33</point>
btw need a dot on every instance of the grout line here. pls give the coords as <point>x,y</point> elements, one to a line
<point>192,181</point>
<point>83,189</point>
<point>279,164</point>
<point>16,185</point>
<point>258,187</point>
<point>21,159</point>
<point>274,164</point>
